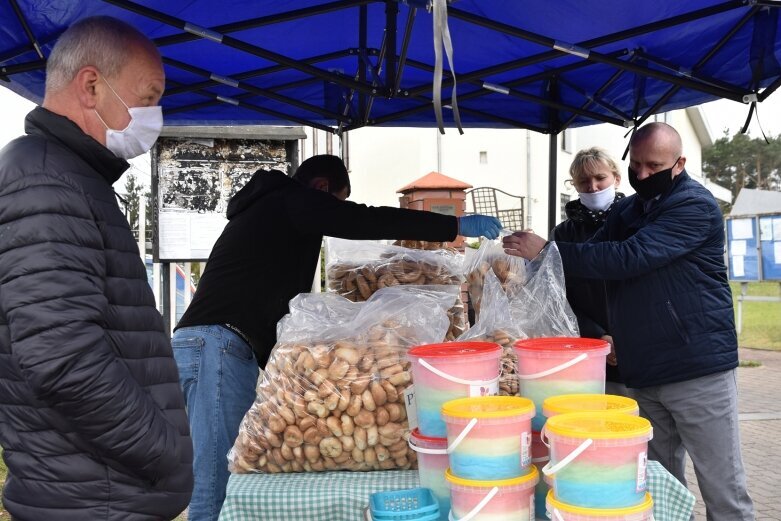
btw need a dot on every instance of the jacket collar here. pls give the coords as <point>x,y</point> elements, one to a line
<point>59,128</point>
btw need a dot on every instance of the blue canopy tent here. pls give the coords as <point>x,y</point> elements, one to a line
<point>345,64</point>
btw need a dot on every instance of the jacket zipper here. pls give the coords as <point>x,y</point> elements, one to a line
<point>677,322</point>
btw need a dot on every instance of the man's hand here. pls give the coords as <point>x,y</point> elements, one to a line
<point>524,244</point>
<point>477,225</point>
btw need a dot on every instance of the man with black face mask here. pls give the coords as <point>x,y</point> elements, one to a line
<point>661,253</point>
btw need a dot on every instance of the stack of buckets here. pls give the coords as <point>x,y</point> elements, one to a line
<point>594,461</point>
<point>473,447</point>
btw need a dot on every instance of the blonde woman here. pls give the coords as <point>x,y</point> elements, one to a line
<point>594,174</point>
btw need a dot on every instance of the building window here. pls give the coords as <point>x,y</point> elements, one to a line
<point>567,138</point>
<point>563,200</point>
<point>483,157</point>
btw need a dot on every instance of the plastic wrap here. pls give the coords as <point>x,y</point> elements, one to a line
<point>357,269</point>
<point>534,307</point>
<point>331,397</point>
<point>490,255</point>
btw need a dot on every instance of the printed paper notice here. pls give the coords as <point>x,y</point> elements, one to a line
<point>776,229</point>
<point>738,248</point>
<point>777,252</point>
<point>737,266</point>
<point>742,229</point>
<point>765,229</point>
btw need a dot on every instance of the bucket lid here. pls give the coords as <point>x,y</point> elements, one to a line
<point>564,403</point>
<point>562,344</point>
<point>416,436</point>
<point>529,479</point>
<point>598,425</point>
<point>645,506</point>
<point>449,349</point>
<point>488,407</point>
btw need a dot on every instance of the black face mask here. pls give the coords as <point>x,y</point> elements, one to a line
<point>653,185</point>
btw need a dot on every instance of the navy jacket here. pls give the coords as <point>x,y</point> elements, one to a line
<point>669,301</point>
<point>267,254</point>
<point>92,418</point>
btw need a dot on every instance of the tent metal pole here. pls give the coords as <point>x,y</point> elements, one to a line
<point>553,155</point>
<point>232,82</point>
<point>587,53</point>
<point>253,73</point>
<point>26,27</point>
<point>769,90</point>
<point>9,70</point>
<point>404,49</point>
<point>237,44</point>
<point>702,61</point>
<point>598,92</point>
<point>264,20</point>
<point>363,20</point>
<point>594,42</point>
<point>239,102</point>
<point>391,27</point>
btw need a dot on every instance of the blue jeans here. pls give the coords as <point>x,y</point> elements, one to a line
<point>218,373</point>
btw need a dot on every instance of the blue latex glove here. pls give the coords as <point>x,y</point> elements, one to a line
<point>477,225</point>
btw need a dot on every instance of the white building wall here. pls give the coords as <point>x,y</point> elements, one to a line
<point>383,159</point>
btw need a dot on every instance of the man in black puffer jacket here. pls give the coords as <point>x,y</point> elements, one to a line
<point>92,419</point>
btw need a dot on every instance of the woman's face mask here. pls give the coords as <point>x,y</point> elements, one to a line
<point>600,200</point>
<point>139,135</point>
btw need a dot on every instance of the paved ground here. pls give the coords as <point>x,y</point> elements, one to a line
<point>759,399</point>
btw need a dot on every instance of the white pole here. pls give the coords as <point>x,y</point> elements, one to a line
<point>187,278</point>
<point>172,292</point>
<point>156,284</point>
<point>142,227</point>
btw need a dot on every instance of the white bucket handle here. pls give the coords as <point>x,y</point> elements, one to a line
<point>555,369</point>
<point>455,379</point>
<point>549,469</point>
<point>451,447</point>
<point>472,513</point>
<point>544,438</point>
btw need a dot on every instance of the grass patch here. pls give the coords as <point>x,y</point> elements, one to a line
<point>761,320</point>
<point>750,363</point>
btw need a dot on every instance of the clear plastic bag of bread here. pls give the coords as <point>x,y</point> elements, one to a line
<point>332,394</point>
<point>496,325</point>
<point>509,270</point>
<point>425,245</point>
<point>539,307</point>
<point>358,269</point>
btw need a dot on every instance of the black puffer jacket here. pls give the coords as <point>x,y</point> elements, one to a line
<point>92,420</point>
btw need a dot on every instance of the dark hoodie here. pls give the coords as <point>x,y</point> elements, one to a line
<point>268,252</point>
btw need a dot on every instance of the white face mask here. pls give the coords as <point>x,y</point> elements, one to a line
<point>139,135</point>
<point>601,200</point>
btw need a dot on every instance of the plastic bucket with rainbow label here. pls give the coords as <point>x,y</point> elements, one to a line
<point>560,511</point>
<point>560,365</point>
<point>432,464</point>
<point>489,437</point>
<point>444,372</point>
<point>565,403</point>
<point>598,459</point>
<point>474,500</point>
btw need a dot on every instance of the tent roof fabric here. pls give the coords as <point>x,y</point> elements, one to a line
<point>756,202</point>
<point>343,64</point>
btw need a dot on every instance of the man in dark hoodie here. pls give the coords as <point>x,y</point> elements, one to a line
<point>266,255</point>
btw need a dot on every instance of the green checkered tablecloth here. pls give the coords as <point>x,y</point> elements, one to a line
<point>672,501</point>
<point>343,496</point>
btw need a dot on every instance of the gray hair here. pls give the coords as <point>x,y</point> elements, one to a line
<point>589,159</point>
<point>101,41</point>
